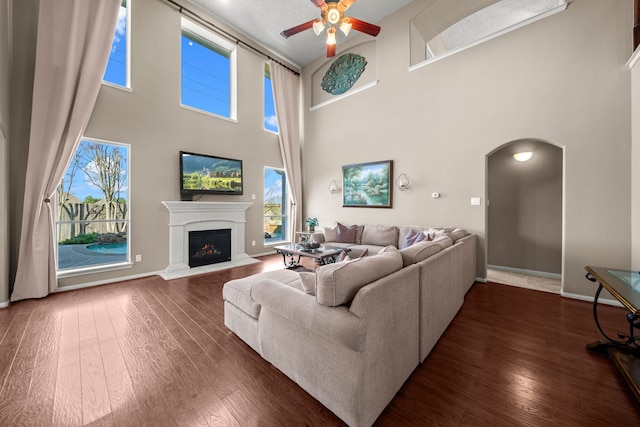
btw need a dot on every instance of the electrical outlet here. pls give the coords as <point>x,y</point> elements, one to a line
<point>138,258</point>
<point>253,243</point>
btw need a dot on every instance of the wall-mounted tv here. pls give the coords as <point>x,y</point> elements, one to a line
<point>205,174</point>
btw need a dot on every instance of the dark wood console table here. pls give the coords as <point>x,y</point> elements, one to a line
<point>624,285</point>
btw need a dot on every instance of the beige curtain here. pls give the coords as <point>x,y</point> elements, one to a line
<point>286,96</point>
<point>73,43</point>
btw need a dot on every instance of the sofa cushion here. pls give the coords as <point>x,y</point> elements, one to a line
<point>346,234</point>
<point>444,241</point>
<point>238,291</point>
<point>420,251</point>
<point>380,235</point>
<point>412,238</point>
<point>337,284</point>
<point>308,280</point>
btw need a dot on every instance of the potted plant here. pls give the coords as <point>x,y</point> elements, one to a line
<point>311,223</point>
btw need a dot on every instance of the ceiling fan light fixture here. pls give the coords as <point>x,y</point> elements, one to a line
<point>345,26</point>
<point>333,15</point>
<point>331,35</point>
<point>318,26</point>
<point>331,18</point>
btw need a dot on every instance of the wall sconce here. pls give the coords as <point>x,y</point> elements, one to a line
<point>333,187</point>
<point>402,182</point>
<point>523,157</point>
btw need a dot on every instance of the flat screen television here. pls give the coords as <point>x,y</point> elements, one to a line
<point>206,174</point>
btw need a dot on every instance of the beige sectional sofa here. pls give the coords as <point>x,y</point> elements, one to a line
<point>351,333</point>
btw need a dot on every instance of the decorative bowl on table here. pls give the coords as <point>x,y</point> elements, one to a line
<point>307,246</point>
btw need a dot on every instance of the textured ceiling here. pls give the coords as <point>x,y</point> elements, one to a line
<point>264,20</point>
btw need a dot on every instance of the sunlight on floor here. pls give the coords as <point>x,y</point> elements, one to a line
<point>537,283</point>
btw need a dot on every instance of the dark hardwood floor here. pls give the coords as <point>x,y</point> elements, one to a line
<point>148,352</point>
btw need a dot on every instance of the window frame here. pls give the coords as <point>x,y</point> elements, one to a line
<point>127,85</point>
<point>267,76</point>
<point>71,272</point>
<point>224,45</point>
<point>285,203</point>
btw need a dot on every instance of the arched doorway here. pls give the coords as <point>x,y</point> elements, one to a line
<point>524,215</point>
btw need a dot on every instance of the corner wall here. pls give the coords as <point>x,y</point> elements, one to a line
<point>635,162</point>
<point>561,80</point>
<point>5,71</point>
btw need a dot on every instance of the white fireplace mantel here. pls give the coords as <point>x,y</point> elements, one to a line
<point>196,216</point>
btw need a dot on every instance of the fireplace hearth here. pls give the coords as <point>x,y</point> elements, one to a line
<point>209,247</point>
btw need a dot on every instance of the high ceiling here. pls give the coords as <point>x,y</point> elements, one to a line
<point>264,20</point>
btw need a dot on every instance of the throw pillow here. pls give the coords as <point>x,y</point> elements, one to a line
<point>412,238</point>
<point>308,282</point>
<point>342,257</point>
<point>346,234</point>
<point>434,233</point>
<point>330,234</point>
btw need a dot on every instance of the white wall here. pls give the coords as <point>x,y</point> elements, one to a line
<point>561,80</point>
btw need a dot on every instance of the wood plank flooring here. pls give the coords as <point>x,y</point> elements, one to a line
<point>149,352</point>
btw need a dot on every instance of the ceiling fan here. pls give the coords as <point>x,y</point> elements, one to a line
<point>332,15</point>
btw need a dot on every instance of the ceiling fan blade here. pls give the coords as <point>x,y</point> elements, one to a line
<point>318,3</point>
<point>344,4</point>
<point>297,29</point>
<point>331,50</point>
<point>364,27</point>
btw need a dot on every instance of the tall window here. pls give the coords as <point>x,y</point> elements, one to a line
<point>117,71</point>
<point>92,215</point>
<point>270,121</point>
<point>275,205</point>
<point>208,71</point>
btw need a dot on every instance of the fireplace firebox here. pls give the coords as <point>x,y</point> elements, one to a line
<point>209,247</point>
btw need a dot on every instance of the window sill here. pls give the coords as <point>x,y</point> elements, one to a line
<point>208,113</point>
<point>117,86</point>
<point>72,272</point>
<point>276,243</point>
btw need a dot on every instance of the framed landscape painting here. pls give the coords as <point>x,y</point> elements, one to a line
<point>367,185</point>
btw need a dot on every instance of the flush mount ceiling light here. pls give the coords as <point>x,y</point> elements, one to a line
<point>332,15</point>
<point>523,156</point>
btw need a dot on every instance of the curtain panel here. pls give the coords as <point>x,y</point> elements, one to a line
<point>286,97</point>
<point>73,43</point>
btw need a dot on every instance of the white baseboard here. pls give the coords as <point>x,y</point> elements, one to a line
<point>4,304</point>
<point>105,282</point>
<point>526,272</point>
<point>590,299</point>
<point>481,279</point>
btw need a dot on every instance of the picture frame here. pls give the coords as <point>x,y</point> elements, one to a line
<point>367,185</point>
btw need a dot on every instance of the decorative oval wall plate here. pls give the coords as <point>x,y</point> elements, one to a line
<point>343,73</point>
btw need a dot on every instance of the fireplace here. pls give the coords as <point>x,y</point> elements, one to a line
<point>185,217</point>
<point>209,247</point>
